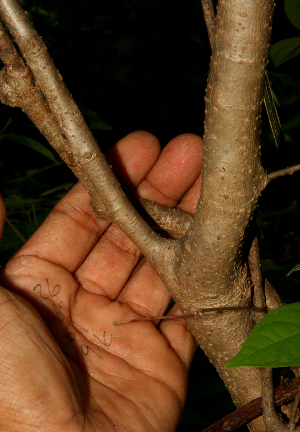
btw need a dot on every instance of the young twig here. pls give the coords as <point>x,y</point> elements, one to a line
<point>283,394</point>
<point>259,300</point>
<point>195,314</point>
<point>209,16</point>
<point>283,172</point>
<point>153,318</point>
<point>273,421</point>
<point>293,418</point>
<point>170,219</point>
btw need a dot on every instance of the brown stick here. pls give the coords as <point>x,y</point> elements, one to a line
<point>273,421</point>
<point>283,394</point>
<point>259,300</point>
<point>283,172</point>
<point>209,16</point>
<point>196,314</point>
<point>293,418</point>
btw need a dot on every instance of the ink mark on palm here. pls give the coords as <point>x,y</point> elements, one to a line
<point>104,340</point>
<point>48,292</point>
<point>86,349</point>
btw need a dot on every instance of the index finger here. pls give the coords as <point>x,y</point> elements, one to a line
<point>177,171</point>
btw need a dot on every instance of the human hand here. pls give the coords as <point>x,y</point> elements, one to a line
<point>63,365</point>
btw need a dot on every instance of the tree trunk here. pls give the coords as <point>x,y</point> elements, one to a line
<point>211,267</point>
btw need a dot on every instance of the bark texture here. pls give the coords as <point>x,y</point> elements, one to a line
<point>207,267</point>
<point>211,257</point>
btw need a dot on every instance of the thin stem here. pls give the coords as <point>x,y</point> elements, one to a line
<point>259,300</point>
<point>209,16</point>
<point>273,422</point>
<point>15,230</point>
<point>195,314</point>
<point>241,416</point>
<point>293,418</point>
<point>170,219</point>
<point>283,172</point>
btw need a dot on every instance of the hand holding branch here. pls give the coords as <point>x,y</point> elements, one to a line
<point>63,364</point>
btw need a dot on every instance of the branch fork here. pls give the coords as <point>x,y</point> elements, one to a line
<point>206,267</point>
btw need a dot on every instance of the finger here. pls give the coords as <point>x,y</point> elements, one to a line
<point>114,256</point>
<point>179,336</point>
<point>132,158</point>
<point>71,230</point>
<point>68,233</point>
<point>109,265</point>
<point>140,344</point>
<point>190,200</point>
<point>177,169</point>
<point>145,293</point>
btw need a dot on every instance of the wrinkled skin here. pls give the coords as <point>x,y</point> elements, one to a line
<point>64,366</point>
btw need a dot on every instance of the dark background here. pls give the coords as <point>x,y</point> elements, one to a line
<point>143,65</point>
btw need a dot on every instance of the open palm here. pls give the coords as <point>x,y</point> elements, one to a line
<point>64,366</point>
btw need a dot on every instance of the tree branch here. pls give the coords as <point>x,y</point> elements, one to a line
<point>273,421</point>
<point>294,412</point>
<point>209,16</point>
<point>258,300</point>
<point>19,89</point>
<point>285,393</point>
<point>215,274</point>
<point>283,172</point>
<point>172,220</point>
<point>76,143</point>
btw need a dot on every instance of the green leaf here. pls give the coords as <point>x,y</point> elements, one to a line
<point>35,171</point>
<point>294,122</point>
<point>296,268</point>
<point>292,9</point>
<point>95,122</point>
<point>33,144</point>
<point>285,50</point>
<point>19,201</point>
<point>63,187</point>
<point>274,342</point>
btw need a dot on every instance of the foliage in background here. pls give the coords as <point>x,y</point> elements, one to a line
<point>143,65</point>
